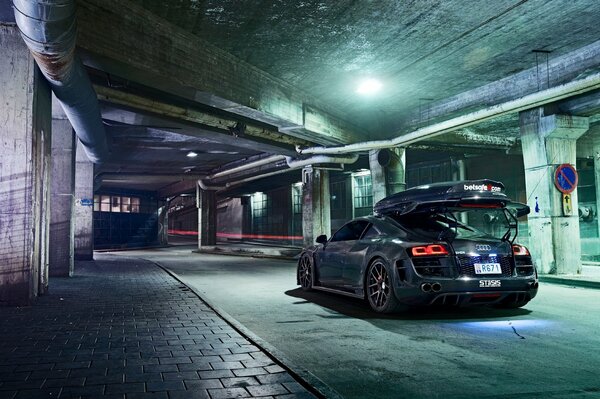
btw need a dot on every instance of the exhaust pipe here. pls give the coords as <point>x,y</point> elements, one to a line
<point>426,287</point>
<point>436,287</point>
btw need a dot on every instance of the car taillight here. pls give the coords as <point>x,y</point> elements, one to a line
<point>520,250</point>
<point>429,250</point>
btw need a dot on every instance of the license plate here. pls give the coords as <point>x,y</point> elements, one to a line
<point>488,268</point>
<point>490,283</point>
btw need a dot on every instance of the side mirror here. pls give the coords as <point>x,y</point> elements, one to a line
<point>322,239</point>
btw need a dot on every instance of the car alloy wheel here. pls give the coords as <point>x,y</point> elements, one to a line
<point>305,272</point>
<point>379,288</point>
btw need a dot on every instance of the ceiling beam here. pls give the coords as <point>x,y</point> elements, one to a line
<point>563,69</point>
<point>130,115</point>
<point>190,114</point>
<point>112,30</point>
<point>583,105</point>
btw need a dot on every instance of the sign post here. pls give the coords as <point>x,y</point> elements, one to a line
<point>565,180</point>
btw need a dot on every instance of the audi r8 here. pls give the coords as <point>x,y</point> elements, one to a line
<point>441,244</point>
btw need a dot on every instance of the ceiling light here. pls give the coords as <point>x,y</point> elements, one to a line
<point>369,86</point>
<point>222,152</point>
<point>192,154</point>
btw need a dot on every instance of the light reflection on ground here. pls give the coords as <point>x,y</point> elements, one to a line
<point>502,324</point>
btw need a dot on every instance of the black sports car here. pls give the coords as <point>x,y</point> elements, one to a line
<point>445,243</point>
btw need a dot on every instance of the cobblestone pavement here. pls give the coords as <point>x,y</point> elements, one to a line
<point>123,328</point>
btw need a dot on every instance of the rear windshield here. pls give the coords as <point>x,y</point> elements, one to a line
<point>468,223</point>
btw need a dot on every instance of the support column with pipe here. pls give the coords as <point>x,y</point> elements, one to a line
<point>316,211</point>
<point>206,201</point>
<point>388,167</point>
<point>62,238</point>
<point>24,173</point>
<point>547,142</point>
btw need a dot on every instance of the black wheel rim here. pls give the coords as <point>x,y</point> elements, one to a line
<point>378,285</point>
<point>305,272</point>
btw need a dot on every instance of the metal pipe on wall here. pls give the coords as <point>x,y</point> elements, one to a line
<point>292,165</point>
<point>49,29</point>
<point>249,165</point>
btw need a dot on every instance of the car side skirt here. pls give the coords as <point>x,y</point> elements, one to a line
<point>333,290</point>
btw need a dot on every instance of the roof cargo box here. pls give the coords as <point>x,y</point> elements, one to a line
<point>443,196</point>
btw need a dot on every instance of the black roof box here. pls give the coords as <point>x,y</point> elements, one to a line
<point>467,193</point>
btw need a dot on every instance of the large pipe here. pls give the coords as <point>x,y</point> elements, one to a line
<point>526,102</point>
<point>247,166</point>
<point>292,165</point>
<point>319,159</point>
<point>49,30</point>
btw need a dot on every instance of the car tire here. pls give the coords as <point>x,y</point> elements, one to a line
<point>305,272</point>
<point>378,287</point>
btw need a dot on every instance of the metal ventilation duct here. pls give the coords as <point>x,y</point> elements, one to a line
<point>49,30</point>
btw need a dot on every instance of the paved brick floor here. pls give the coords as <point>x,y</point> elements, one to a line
<point>124,328</point>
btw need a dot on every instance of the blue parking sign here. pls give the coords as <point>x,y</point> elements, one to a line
<point>566,178</point>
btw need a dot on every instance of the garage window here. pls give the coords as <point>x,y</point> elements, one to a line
<point>116,204</point>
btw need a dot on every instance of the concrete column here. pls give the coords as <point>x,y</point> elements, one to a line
<point>163,223</point>
<point>316,211</point>
<point>84,213</point>
<point>206,201</point>
<point>596,153</point>
<point>549,141</point>
<point>460,172</point>
<point>25,112</point>
<point>62,239</point>
<point>387,172</point>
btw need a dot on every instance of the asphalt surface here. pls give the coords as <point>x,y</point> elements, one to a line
<point>549,349</point>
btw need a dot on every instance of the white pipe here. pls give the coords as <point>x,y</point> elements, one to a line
<point>249,165</point>
<point>526,102</point>
<point>292,165</point>
<point>206,187</point>
<point>318,159</point>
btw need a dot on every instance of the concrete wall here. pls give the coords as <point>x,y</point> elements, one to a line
<point>230,219</point>
<point>24,170</point>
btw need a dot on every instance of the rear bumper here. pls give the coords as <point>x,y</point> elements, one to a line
<point>468,291</point>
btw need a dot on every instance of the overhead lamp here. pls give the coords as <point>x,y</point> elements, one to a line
<point>369,86</point>
<point>192,154</point>
<point>222,152</point>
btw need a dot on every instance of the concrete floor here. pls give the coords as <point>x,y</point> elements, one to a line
<point>549,349</point>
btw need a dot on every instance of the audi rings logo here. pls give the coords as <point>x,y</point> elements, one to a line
<point>482,247</point>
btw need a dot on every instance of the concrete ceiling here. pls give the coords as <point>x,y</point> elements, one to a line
<point>182,75</point>
<point>421,50</point>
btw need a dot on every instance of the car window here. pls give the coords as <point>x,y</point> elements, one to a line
<point>350,231</point>
<point>372,232</point>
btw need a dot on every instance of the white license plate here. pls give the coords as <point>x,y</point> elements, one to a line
<point>488,268</point>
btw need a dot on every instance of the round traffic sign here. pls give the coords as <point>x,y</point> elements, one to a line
<point>565,178</point>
